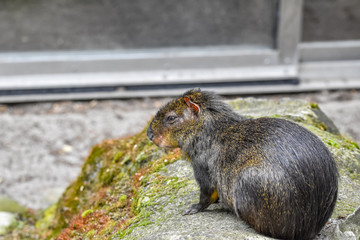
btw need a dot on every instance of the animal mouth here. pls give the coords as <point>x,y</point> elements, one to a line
<point>162,141</point>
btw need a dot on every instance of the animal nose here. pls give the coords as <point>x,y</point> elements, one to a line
<point>150,133</point>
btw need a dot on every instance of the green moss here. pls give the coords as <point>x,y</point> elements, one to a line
<point>106,176</point>
<point>353,175</point>
<point>9,205</point>
<point>122,201</point>
<point>148,197</point>
<point>91,233</point>
<point>314,105</point>
<point>276,116</point>
<point>348,199</point>
<point>86,212</point>
<point>332,143</point>
<point>118,156</point>
<point>47,218</point>
<point>126,160</point>
<point>351,145</point>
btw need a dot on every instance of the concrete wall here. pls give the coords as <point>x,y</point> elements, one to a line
<point>31,25</point>
<point>326,20</point>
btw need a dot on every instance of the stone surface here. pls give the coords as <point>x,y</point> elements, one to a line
<point>6,219</point>
<point>214,223</point>
<point>352,223</point>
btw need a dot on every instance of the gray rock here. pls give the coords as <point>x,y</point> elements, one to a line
<point>6,219</point>
<point>351,225</point>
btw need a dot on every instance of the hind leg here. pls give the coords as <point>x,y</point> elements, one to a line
<point>264,203</point>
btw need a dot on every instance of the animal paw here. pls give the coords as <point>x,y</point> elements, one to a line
<point>193,209</point>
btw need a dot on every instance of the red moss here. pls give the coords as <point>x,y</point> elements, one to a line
<point>81,225</point>
<point>99,196</point>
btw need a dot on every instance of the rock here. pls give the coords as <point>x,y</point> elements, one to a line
<point>131,189</point>
<point>6,219</point>
<point>294,110</point>
<point>351,225</point>
<point>11,206</point>
<point>52,195</point>
<point>214,223</point>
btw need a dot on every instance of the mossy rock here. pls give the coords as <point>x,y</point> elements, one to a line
<point>130,189</point>
<point>10,205</point>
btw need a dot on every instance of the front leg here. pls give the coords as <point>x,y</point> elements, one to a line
<point>207,197</point>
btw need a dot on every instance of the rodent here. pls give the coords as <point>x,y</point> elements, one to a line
<point>274,174</point>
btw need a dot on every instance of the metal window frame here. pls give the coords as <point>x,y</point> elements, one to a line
<point>290,59</point>
<point>159,66</point>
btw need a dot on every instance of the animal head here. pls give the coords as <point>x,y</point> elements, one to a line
<point>178,119</point>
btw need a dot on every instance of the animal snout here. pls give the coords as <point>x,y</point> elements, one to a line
<point>150,133</point>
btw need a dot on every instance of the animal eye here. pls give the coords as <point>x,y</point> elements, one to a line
<point>171,119</point>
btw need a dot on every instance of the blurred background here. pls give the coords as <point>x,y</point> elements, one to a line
<point>73,73</point>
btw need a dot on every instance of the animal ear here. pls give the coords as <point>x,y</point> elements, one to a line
<point>193,106</point>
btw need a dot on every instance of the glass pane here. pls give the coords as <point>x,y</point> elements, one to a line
<point>131,24</point>
<point>326,20</point>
